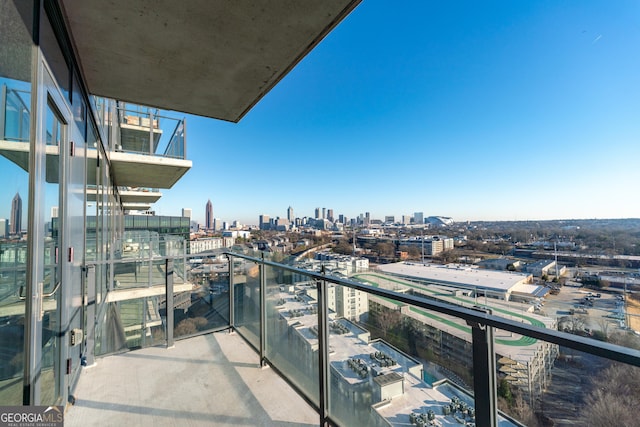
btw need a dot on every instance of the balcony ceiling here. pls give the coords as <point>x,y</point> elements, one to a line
<point>210,58</point>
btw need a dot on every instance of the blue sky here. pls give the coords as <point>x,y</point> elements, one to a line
<point>494,110</point>
<point>474,110</point>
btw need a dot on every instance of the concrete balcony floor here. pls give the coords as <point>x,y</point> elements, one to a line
<point>213,379</point>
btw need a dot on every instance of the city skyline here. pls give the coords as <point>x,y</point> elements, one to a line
<point>522,111</point>
<point>525,111</point>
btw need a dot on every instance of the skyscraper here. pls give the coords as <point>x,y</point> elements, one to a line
<point>418,218</point>
<point>290,213</point>
<point>265,222</point>
<point>317,213</point>
<point>208,222</point>
<point>16,215</point>
<point>4,228</point>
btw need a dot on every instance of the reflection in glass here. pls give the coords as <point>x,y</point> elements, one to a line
<point>292,328</point>
<point>55,131</point>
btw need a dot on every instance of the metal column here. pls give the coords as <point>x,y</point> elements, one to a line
<point>90,315</point>
<point>484,374</point>
<point>323,349</point>
<point>3,107</point>
<point>263,311</point>
<point>232,316</point>
<point>169,299</point>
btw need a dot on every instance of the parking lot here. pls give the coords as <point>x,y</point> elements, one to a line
<point>605,310</point>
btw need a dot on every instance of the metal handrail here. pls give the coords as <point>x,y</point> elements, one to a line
<point>587,345</point>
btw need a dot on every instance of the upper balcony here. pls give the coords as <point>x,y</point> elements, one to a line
<point>146,149</point>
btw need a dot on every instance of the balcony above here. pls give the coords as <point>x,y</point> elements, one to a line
<point>231,56</point>
<point>135,170</point>
<point>130,195</point>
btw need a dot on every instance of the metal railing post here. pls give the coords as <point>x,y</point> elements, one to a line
<point>323,348</point>
<point>263,310</point>
<point>90,314</point>
<point>169,300</point>
<point>151,147</point>
<point>3,107</point>
<point>232,316</point>
<point>484,373</point>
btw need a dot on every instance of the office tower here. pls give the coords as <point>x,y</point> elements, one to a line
<point>16,215</point>
<point>264,222</point>
<point>367,218</point>
<point>324,213</point>
<point>330,215</point>
<point>290,213</point>
<point>186,212</point>
<point>317,216</point>
<point>341,219</point>
<point>208,222</point>
<point>4,228</point>
<point>418,218</point>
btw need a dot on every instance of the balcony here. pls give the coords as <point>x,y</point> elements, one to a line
<point>214,379</point>
<point>151,148</point>
<point>380,368</point>
<point>147,149</point>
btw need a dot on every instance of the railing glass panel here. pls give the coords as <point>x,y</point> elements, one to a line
<point>246,302</point>
<point>292,343</point>
<point>16,113</point>
<point>145,131</point>
<point>202,301</point>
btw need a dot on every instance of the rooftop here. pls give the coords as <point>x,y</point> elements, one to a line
<point>457,274</point>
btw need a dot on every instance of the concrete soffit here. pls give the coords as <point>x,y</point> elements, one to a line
<point>210,58</point>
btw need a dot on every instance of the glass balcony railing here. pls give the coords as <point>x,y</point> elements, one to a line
<point>14,114</point>
<point>144,130</point>
<point>362,354</point>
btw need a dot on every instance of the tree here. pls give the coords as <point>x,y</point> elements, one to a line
<point>385,249</point>
<point>577,324</point>
<point>343,247</point>
<point>504,391</point>
<point>387,319</point>
<point>613,401</point>
<point>604,326</point>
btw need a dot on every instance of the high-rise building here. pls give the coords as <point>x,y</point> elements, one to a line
<point>290,214</point>
<point>330,215</point>
<point>264,222</point>
<point>186,212</point>
<point>418,218</point>
<point>317,216</point>
<point>208,222</point>
<point>16,215</point>
<point>4,228</point>
<point>324,213</point>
